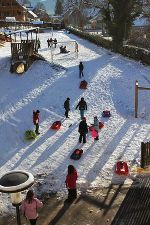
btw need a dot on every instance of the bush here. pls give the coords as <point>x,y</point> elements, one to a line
<point>94,38</point>
<point>136,53</point>
<point>140,38</point>
<point>30,135</point>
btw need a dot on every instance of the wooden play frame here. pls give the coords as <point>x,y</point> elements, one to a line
<point>136,96</point>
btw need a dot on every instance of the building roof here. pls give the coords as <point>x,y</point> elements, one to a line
<point>25,30</point>
<point>10,19</point>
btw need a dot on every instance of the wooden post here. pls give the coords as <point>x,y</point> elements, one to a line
<point>136,98</point>
<point>51,54</point>
<point>142,154</point>
<point>15,37</point>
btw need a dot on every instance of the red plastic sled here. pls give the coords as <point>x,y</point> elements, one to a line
<point>101,125</point>
<point>91,128</point>
<point>76,154</point>
<point>56,125</point>
<point>106,113</point>
<point>93,132</point>
<point>122,168</point>
<point>83,84</point>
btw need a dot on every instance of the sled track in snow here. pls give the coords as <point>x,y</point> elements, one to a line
<point>135,209</point>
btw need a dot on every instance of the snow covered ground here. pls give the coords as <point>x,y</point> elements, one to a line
<point>111,79</point>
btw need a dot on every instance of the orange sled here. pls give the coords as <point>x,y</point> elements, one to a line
<point>101,125</point>
<point>83,84</point>
<point>56,125</point>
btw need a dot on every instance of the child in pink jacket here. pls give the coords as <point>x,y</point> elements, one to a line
<point>29,207</point>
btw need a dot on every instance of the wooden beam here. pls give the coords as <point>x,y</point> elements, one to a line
<point>143,88</point>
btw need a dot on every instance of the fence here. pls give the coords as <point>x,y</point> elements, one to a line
<point>145,154</point>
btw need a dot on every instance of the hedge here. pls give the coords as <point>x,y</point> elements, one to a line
<point>139,54</point>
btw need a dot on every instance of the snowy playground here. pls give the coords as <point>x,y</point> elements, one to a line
<point>45,86</point>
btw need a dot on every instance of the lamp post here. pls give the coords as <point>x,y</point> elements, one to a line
<point>16,200</point>
<point>14,182</point>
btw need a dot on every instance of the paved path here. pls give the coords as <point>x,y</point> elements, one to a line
<point>135,209</point>
<point>115,205</point>
<point>95,208</point>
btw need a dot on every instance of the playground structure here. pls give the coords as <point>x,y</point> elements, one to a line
<point>24,50</point>
<point>71,47</point>
<point>136,96</point>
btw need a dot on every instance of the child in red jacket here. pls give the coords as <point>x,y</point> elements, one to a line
<point>71,182</point>
<point>36,120</point>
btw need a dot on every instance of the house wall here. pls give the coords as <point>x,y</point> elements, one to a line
<point>11,8</point>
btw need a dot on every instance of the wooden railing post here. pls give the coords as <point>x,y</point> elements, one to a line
<point>142,154</point>
<point>136,98</point>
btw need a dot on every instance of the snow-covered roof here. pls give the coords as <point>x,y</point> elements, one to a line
<point>37,22</point>
<point>20,2</point>
<point>25,30</point>
<point>32,13</point>
<point>10,19</point>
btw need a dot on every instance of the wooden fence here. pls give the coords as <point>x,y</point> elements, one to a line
<point>22,50</point>
<point>145,154</point>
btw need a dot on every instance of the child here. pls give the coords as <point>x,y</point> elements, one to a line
<point>71,182</point>
<point>55,42</point>
<point>36,120</point>
<point>76,47</point>
<point>82,107</point>
<point>29,207</point>
<point>50,42</point>
<point>39,43</point>
<point>83,130</point>
<point>67,107</point>
<point>96,127</point>
<point>81,67</point>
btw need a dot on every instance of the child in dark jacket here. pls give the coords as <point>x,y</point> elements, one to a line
<point>81,67</point>
<point>82,107</point>
<point>83,130</point>
<point>67,107</point>
<point>36,120</point>
<point>71,182</point>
